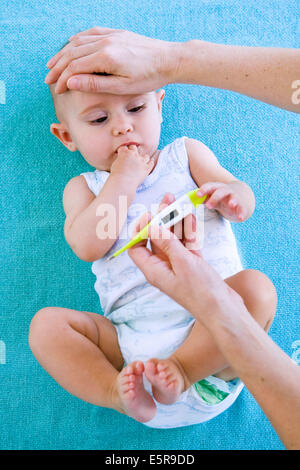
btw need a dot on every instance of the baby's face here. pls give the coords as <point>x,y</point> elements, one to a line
<point>98,124</point>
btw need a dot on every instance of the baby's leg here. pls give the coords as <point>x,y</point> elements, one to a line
<point>80,350</point>
<point>199,357</point>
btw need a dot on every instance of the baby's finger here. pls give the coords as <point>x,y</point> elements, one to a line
<point>232,202</point>
<point>236,208</point>
<point>217,197</point>
<point>240,213</point>
<point>208,188</point>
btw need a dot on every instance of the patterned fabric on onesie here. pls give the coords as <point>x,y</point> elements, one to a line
<point>148,322</point>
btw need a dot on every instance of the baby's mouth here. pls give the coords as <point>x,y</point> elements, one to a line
<point>127,145</point>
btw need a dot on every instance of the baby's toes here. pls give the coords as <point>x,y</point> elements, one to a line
<point>126,382</point>
<point>138,367</point>
<point>163,369</point>
<point>151,367</point>
<point>125,374</point>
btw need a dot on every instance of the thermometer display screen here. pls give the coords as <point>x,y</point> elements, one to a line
<point>167,218</point>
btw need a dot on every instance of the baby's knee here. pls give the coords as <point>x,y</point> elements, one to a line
<point>261,292</point>
<point>42,326</point>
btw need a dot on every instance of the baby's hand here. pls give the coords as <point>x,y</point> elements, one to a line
<point>225,199</point>
<point>132,165</point>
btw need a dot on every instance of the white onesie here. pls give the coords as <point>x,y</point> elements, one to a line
<point>148,322</point>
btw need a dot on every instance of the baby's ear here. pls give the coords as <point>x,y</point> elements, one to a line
<point>160,94</point>
<point>61,132</point>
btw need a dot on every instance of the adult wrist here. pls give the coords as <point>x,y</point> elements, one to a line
<point>185,61</point>
<point>200,63</point>
<point>210,315</point>
<point>170,66</point>
<point>220,314</point>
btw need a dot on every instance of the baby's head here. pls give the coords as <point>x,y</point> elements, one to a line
<point>97,124</point>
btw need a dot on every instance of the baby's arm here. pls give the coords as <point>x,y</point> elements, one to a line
<point>233,198</point>
<point>80,204</point>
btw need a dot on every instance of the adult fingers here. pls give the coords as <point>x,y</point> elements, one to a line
<point>51,62</point>
<point>167,242</point>
<point>75,43</point>
<point>89,81</point>
<point>70,55</point>
<point>177,229</point>
<point>95,30</point>
<point>141,223</point>
<point>167,199</point>
<point>192,234</point>
<point>146,217</point>
<point>152,266</point>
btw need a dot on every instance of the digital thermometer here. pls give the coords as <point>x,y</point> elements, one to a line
<point>167,217</point>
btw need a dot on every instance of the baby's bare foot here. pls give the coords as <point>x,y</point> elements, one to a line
<point>166,379</point>
<point>135,401</point>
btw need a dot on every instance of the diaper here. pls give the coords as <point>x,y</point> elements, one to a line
<point>201,402</point>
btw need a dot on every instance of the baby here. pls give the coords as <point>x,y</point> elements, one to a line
<point>146,357</point>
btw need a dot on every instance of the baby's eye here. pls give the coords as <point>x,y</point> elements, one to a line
<point>99,120</point>
<point>103,118</point>
<point>136,109</point>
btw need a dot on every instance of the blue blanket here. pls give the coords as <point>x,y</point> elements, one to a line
<point>258,143</point>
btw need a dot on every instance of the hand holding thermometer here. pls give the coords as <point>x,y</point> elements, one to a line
<point>167,217</point>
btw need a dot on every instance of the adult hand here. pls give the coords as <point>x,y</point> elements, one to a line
<point>136,64</point>
<point>178,269</point>
<point>128,62</point>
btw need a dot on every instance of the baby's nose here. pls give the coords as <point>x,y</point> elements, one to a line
<point>121,127</point>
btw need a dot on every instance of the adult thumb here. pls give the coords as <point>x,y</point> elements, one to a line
<point>92,83</point>
<point>168,243</point>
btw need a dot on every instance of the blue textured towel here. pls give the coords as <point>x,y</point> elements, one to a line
<point>256,142</point>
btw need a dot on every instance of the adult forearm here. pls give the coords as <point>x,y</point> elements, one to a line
<point>268,74</point>
<point>97,228</point>
<point>268,373</point>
